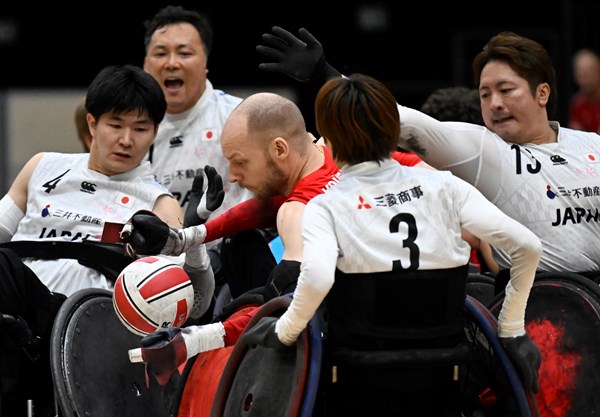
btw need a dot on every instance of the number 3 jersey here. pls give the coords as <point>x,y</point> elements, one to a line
<point>384,217</point>
<point>391,217</point>
<point>66,201</point>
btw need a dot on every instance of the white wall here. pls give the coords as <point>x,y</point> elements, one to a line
<point>38,121</point>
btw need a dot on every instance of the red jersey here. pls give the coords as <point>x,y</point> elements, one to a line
<point>262,214</point>
<point>316,182</point>
<point>408,159</point>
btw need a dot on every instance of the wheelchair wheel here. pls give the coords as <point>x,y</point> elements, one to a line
<point>258,381</point>
<point>481,287</point>
<point>89,362</point>
<point>490,384</point>
<point>562,318</point>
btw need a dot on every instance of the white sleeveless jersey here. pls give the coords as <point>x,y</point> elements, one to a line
<point>391,217</point>
<point>553,189</point>
<point>66,201</point>
<point>188,141</point>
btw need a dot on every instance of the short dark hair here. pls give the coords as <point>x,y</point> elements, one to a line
<point>177,14</point>
<point>123,89</point>
<point>457,104</point>
<point>525,56</point>
<point>359,116</point>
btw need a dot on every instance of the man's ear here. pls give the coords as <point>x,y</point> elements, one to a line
<point>279,148</point>
<point>91,121</point>
<point>543,91</point>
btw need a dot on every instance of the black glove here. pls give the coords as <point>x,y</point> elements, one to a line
<point>201,205</point>
<point>191,217</point>
<point>163,351</point>
<point>214,193</point>
<point>301,58</point>
<point>263,333</point>
<point>149,234</point>
<point>160,337</point>
<point>526,357</point>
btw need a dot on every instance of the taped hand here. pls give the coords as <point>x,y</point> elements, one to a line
<point>526,357</point>
<point>263,333</point>
<point>147,234</point>
<point>300,58</point>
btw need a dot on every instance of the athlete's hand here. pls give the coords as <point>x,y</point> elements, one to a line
<point>146,233</point>
<point>301,58</point>
<point>201,204</point>
<point>163,351</point>
<point>526,357</point>
<point>213,198</point>
<point>196,193</point>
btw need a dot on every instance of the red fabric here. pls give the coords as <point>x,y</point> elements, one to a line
<point>202,383</point>
<point>250,214</point>
<point>316,182</point>
<point>585,113</point>
<point>259,214</point>
<point>203,380</point>
<point>235,326</point>
<point>408,159</point>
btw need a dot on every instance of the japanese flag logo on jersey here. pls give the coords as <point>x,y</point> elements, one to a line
<point>208,134</point>
<point>152,292</point>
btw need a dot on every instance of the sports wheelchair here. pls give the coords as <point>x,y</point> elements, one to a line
<point>562,318</point>
<point>308,379</point>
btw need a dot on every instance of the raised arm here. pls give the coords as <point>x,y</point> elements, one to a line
<point>299,57</point>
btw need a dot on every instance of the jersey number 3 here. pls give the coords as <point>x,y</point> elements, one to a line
<point>409,242</point>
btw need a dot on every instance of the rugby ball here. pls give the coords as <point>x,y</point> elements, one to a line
<point>151,293</point>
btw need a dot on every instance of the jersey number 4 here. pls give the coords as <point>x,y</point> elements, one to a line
<point>51,185</point>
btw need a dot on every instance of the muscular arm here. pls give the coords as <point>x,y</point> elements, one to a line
<point>18,190</point>
<point>14,204</point>
<point>250,214</point>
<point>289,227</point>
<point>469,151</point>
<point>168,209</point>
<point>317,274</point>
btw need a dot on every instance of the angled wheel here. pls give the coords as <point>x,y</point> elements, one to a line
<point>563,319</point>
<point>258,381</point>
<point>491,386</point>
<point>90,365</point>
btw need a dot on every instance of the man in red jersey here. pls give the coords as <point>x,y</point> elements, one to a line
<point>270,153</point>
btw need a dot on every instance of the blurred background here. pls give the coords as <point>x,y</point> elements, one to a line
<point>50,52</point>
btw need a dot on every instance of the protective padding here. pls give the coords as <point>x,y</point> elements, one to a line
<point>90,364</point>
<point>259,381</point>
<point>563,319</point>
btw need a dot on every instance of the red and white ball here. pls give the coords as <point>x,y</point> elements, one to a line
<point>152,292</point>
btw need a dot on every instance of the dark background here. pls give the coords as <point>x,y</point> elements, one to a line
<point>413,47</point>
